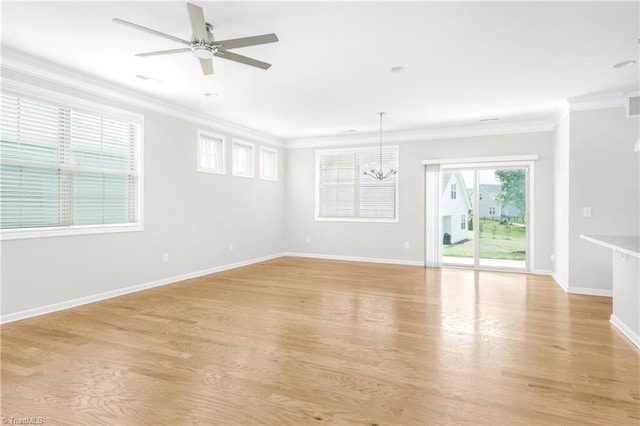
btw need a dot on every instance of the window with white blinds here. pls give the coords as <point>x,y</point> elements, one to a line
<point>66,170</point>
<point>343,192</point>
<point>243,162</point>
<point>211,153</point>
<point>268,163</point>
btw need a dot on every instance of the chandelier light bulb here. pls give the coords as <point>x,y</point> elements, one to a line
<point>376,170</point>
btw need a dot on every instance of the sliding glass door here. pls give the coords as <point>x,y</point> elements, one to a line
<point>484,217</point>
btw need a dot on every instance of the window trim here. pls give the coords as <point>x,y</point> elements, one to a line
<point>275,151</point>
<point>317,216</point>
<point>81,105</point>
<point>253,159</point>
<point>212,135</point>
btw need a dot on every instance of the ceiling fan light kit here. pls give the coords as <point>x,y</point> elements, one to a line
<point>203,46</point>
<point>203,52</point>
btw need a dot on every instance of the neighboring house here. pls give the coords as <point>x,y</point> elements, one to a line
<point>488,205</point>
<point>455,207</point>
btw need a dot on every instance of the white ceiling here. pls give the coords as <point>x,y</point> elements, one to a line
<point>332,66</point>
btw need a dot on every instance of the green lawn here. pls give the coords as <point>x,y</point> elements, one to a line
<point>496,242</point>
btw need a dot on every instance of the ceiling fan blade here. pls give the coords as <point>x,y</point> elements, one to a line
<point>246,41</point>
<point>207,66</point>
<point>149,30</point>
<point>165,52</point>
<point>242,59</point>
<point>198,26</point>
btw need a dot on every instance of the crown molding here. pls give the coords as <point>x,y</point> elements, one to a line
<point>602,100</point>
<point>427,134</point>
<point>29,65</point>
<point>19,62</point>
<point>562,112</point>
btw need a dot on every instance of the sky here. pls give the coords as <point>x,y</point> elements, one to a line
<point>485,177</point>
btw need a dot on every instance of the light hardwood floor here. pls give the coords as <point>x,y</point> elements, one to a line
<point>301,341</point>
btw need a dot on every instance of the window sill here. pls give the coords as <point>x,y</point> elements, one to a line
<point>356,219</point>
<point>26,233</point>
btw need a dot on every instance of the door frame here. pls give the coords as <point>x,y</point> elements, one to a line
<point>523,161</point>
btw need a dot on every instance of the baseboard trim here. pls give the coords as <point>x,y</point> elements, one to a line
<point>586,291</point>
<point>54,307</point>
<point>541,272</point>
<point>624,329</point>
<point>356,259</point>
<point>560,282</point>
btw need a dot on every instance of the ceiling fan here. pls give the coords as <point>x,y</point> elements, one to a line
<point>203,46</point>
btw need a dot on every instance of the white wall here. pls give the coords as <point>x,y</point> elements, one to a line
<point>561,201</point>
<point>189,215</point>
<point>386,240</point>
<point>603,175</point>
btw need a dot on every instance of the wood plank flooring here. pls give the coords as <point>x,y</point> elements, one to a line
<point>296,341</point>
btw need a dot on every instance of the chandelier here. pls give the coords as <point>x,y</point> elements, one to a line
<point>375,169</point>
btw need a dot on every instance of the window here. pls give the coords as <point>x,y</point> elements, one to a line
<point>243,159</point>
<point>480,196</point>
<point>453,191</point>
<point>67,166</point>
<point>463,222</point>
<point>268,163</point>
<point>211,153</point>
<point>343,192</point>
<point>492,210</point>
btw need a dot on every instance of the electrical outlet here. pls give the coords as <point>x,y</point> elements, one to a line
<point>586,212</point>
<point>406,245</point>
<point>308,240</point>
<point>165,258</point>
<point>230,247</point>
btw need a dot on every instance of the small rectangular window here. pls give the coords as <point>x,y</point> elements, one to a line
<point>453,191</point>
<point>268,163</point>
<point>463,222</point>
<point>243,161</point>
<point>211,153</point>
<point>492,210</point>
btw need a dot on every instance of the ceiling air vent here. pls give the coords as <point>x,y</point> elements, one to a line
<point>633,106</point>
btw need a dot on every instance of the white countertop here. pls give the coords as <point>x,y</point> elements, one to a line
<point>622,243</point>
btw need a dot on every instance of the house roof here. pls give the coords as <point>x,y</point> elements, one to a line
<point>446,177</point>
<point>491,189</point>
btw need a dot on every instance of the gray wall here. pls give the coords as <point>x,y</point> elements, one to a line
<point>603,175</point>
<point>189,215</point>
<point>386,240</point>
<point>195,216</point>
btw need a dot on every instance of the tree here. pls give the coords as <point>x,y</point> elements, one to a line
<point>513,188</point>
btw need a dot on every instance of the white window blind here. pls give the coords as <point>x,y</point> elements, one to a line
<point>243,162</point>
<point>64,168</point>
<point>268,163</point>
<point>211,153</point>
<point>345,193</point>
